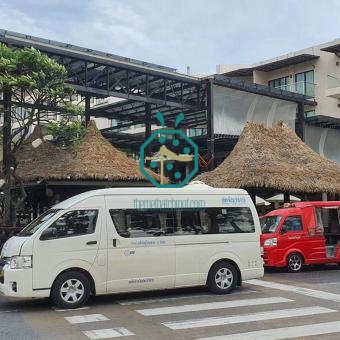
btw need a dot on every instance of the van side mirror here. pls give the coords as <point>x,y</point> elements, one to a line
<point>44,236</point>
<point>48,234</point>
<point>284,229</point>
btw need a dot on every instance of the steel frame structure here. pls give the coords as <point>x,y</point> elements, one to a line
<point>144,88</point>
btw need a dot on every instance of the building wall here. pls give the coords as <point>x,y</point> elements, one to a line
<point>327,64</point>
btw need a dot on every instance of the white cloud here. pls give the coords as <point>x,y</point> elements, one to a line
<point>178,33</point>
<point>13,19</point>
<point>115,28</point>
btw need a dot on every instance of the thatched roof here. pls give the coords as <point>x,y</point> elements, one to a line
<point>274,158</point>
<point>93,159</point>
<point>43,162</point>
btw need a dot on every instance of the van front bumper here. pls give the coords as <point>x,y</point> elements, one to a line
<point>18,283</point>
<point>271,258</point>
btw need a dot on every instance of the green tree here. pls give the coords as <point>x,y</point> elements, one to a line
<point>36,84</point>
<point>66,134</point>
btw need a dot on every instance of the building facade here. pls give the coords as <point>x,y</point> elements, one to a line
<point>314,72</point>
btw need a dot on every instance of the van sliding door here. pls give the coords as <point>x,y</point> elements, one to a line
<point>141,253</point>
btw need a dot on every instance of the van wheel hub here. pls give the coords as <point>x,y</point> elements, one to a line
<point>72,291</point>
<point>224,278</point>
<point>295,262</point>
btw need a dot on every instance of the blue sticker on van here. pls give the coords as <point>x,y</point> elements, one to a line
<point>233,200</point>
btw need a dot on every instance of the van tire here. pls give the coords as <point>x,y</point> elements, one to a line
<point>294,262</point>
<point>71,290</point>
<point>219,284</point>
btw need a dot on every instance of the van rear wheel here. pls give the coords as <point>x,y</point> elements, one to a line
<point>294,262</point>
<point>222,278</point>
<point>71,290</point>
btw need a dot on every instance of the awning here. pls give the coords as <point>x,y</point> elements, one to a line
<point>260,201</point>
<point>333,48</point>
<point>280,198</point>
<point>271,65</point>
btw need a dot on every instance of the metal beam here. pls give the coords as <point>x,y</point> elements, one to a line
<point>210,126</point>
<point>148,126</point>
<point>301,118</point>
<point>87,109</point>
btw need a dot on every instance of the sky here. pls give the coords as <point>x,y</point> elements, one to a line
<point>179,33</point>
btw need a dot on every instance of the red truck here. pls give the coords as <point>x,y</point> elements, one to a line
<point>304,233</point>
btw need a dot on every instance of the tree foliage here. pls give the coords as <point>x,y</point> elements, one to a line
<point>66,134</point>
<point>30,69</point>
<point>36,82</point>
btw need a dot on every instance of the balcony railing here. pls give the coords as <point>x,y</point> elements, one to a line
<point>333,81</point>
<point>301,87</point>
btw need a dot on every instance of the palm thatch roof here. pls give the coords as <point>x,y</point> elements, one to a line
<point>94,159</point>
<point>45,161</point>
<point>274,158</point>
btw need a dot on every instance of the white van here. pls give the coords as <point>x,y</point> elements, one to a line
<point>135,239</point>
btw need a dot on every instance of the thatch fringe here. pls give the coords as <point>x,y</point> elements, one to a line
<point>274,158</point>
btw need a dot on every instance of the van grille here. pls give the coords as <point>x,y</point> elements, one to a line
<point>3,262</point>
<point>265,256</point>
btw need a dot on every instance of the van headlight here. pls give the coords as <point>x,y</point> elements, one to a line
<point>20,262</point>
<point>271,242</point>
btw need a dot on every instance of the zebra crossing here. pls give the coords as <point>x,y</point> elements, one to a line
<point>212,318</point>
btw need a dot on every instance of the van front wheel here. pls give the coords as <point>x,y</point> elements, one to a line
<point>294,262</point>
<point>222,278</point>
<point>71,290</point>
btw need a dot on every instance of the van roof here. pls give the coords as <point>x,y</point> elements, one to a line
<point>316,204</point>
<point>190,189</point>
<point>294,207</point>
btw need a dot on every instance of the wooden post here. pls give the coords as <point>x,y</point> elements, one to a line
<point>286,197</point>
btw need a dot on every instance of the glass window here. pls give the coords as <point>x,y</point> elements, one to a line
<point>145,223</point>
<point>230,220</point>
<point>292,223</point>
<point>38,223</point>
<point>72,223</point>
<point>310,113</point>
<point>142,223</point>
<point>269,224</point>
<point>280,83</point>
<point>304,83</point>
<point>328,219</point>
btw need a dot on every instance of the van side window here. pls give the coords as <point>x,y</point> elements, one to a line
<point>328,218</point>
<point>72,223</point>
<point>134,223</point>
<point>214,221</point>
<point>187,222</point>
<point>292,223</point>
<point>231,220</point>
<point>145,223</point>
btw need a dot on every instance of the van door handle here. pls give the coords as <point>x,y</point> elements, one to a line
<point>91,242</point>
<point>114,242</point>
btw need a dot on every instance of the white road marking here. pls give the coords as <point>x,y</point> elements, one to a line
<point>9,311</point>
<point>268,315</point>
<point>283,333</point>
<point>318,294</point>
<point>174,298</point>
<point>86,318</point>
<point>107,333</point>
<point>56,309</point>
<point>211,306</point>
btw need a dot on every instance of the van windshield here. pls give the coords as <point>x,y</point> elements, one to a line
<point>35,225</point>
<point>270,223</point>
